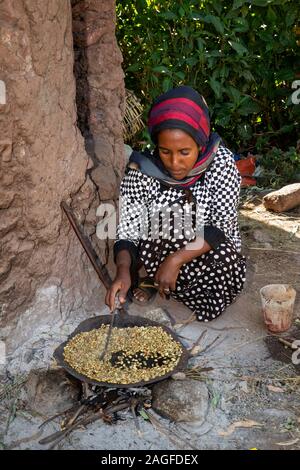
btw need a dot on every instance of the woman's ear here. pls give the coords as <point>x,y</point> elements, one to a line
<point>133,166</point>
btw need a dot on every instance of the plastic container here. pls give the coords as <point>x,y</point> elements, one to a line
<point>278,306</point>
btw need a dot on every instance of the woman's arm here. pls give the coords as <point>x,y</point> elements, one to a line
<point>225,184</point>
<point>133,195</point>
<point>122,281</point>
<point>167,273</point>
<point>224,188</point>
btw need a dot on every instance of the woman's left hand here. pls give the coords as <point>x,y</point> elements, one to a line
<point>166,275</point>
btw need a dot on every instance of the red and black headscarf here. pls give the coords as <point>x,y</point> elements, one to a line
<point>181,108</point>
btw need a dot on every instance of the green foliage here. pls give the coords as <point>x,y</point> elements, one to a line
<point>280,167</point>
<point>241,55</point>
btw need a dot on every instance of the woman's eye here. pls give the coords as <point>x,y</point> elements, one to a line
<point>184,152</point>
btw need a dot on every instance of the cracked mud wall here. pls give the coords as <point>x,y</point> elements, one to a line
<point>46,280</point>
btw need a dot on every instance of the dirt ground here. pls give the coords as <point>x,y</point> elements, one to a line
<point>254,387</point>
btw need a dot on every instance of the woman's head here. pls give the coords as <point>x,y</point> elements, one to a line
<point>178,152</point>
<point>179,125</point>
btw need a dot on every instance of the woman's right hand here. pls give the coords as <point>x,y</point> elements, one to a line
<point>120,286</point>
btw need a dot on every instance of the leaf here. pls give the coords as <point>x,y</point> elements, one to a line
<point>216,87</point>
<point>196,350</point>
<point>181,11</point>
<point>286,128</point>
<point>240,25</point>
<point>238,3</point>
<point>167,84</point>
<point>191,61</point>
<point>216,22</point>
<point>245,131</point>
<point>260,3</point>
<point>286,74</point>
<point>217,6</point>
<point>234,93</point>
<point>239,424</point>
<point>248,75</point>
<point>196,16</point>
<point>288,443</point>
<point>143,414</point>
<point>249,107</point>
<point>238,47</point>
<point>133,68</point>
<point>275,389</point>
<point>224,72</point>
<point>180,75</point>
<point>160,69</point>
<point>271,15</point>
<point>200,44</point>
<point>178,376</point>
<point>223,121</point>
<point>168,15</point>
<point>215,53</point>
<point>290,17</point>
<point>216,399</point>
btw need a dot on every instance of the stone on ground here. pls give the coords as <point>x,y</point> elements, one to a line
<point>181,401</point>
<point>48,392</point>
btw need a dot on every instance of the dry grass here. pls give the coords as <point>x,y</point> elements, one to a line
<point>132,121</point>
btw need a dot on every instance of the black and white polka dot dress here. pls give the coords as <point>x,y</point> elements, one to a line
<point>157,220</point>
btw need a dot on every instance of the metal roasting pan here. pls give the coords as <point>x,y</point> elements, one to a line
<point>122,320</point>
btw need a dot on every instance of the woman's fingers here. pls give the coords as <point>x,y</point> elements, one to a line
<point>107,297</point>
<point>111,295</point>
<point>123,294</point>
<point>163,286</point>
<point>116,289</point>
<point>164,289</point>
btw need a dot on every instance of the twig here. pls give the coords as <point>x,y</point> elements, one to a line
<point>78,412</point>
<point>82,422</point>
<point>287,343</point>
<point>273,249</point>
<point>6,390</point>
<point>24,440</point>
<point>202,336</point>
<point>56,436</point>
<point>11,415</point>
<point>115,409</point>
<point>156,423</point>
<point>133,406</point>
<point>58,415</point>
<point>190,320</point>
<point>239,346</point>
<point>209,345</point>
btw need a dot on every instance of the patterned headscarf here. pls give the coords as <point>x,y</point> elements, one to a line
<point>181,108</point>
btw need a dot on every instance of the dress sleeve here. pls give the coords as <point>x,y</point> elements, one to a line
<point>224,198</point>
<point>134,191</point>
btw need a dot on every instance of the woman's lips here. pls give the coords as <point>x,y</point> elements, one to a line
<point>177,174</point>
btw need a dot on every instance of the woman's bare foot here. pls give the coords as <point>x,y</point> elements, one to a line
<point>141,295</point>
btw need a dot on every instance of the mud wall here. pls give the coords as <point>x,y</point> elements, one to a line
<point>50,153</point>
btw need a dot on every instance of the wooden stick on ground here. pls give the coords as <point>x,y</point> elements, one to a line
<point>58,415</point>
<point>287,343</point>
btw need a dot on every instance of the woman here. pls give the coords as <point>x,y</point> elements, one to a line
<point>178,213</point>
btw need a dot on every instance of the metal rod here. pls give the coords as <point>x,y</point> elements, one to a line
<point>88,248</point>
<point>102,355</point>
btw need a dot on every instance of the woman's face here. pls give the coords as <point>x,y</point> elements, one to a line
<point>178,152</point>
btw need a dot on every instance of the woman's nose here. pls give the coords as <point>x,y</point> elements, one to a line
<point>175,161</point>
